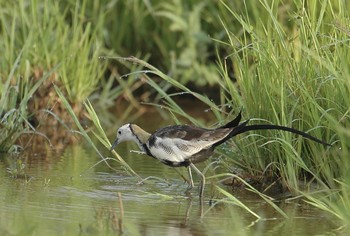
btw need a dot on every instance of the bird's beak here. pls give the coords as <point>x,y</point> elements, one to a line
<point>115,143</point>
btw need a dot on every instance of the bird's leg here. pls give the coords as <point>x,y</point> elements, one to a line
<point>190,184</point>
<point>201,188</point>
<point>185,179</point>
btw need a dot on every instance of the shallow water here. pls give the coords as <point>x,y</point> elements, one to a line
<point>63,195</point>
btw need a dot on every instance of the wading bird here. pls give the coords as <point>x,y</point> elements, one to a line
<point>183,145</point>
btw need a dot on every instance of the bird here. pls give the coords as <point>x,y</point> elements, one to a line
<point>185,145</point>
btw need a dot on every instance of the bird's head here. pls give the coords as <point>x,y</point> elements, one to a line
<point>130,132</point>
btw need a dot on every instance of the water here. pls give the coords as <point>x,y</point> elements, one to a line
<point>63,195</point>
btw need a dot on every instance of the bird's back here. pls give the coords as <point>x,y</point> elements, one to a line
<point>178,144</point>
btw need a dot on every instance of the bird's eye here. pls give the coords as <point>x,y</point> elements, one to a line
<point>119,132</point>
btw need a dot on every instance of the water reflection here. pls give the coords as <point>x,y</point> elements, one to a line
<point>65,196</point>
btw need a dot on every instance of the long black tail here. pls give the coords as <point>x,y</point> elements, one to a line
<point>236,130</point>
<point>234,122</point>
<point>247,128</point>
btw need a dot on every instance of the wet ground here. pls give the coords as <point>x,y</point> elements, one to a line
<point>66,195</point>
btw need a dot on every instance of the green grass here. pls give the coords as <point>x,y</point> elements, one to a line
<point>13,106</point>
<point>36,36</point>
<point>171,31</point>
<point>283,62</point>
<point>299,78</point>
<point>99,133</point>
<point>11,118</point>
<point>48,34</point>
<point>294,75</point>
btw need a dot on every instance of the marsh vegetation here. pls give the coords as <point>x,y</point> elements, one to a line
<point>72,72</point>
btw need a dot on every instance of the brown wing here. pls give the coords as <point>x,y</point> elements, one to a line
<point>189,133</point>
